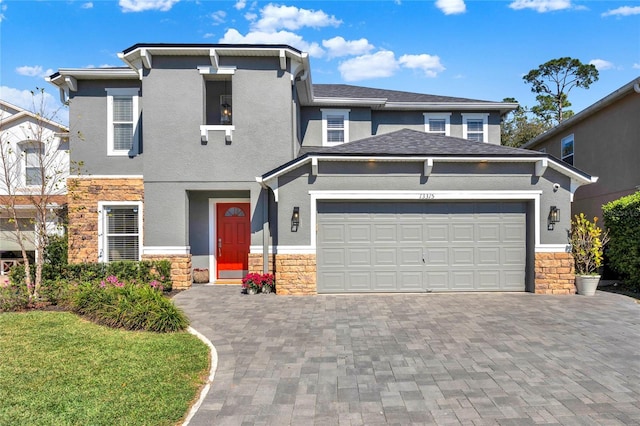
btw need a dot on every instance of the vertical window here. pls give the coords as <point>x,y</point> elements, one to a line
<point>475,127</point>
<point>437,123</point>
<point>567,150</point>
<point>32,168</point>
<point>120,232</point>
<point>122,117</point>
<point>335,126</point>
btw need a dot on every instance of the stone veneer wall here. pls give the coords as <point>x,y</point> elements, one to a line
<point>296,274</point>
<point>554,273</point>
<point>180,268</point>
<point>84,195</point>
<point>255,262</point>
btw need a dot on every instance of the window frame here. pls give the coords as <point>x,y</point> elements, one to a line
<point>134,92</point>
<point>103,237</point>
<point>565,141</point>
<point>476,116</point>
<point>345,127</point>
<point>446,116</point>
<point>24,148</point>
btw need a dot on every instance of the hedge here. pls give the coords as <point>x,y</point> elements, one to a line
<point>622,218</point>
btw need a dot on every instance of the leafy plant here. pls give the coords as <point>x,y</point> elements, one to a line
<point>622,218</point>
<point>587,244</point>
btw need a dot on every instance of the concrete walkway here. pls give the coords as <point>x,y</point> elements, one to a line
<point>474,359</point>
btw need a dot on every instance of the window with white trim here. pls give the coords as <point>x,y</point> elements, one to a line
<point>437,123</point>
<point>475,127</point>
<point>335,126</point>
<point>32,152</point>
<point>122,120</point>
<point>567,149</point>
<point>120,231</point>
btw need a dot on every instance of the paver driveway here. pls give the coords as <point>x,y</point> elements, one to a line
<point>419,358</point>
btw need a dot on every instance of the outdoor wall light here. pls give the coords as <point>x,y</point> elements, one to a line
<point>295,219</point>
<point>225,113</point>
<point>554,217</point>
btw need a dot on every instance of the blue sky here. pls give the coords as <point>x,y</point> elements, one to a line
<point>464,48</point>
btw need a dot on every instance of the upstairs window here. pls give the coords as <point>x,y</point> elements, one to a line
<point>567,149</point>
<point>437,123</point>
<point>335,126</point>
<point>122,118</point>
<point>475,127</point>
<point>32,152</point>
<point>120,232</point>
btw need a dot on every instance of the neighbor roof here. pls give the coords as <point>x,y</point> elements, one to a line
<point>633,85</point>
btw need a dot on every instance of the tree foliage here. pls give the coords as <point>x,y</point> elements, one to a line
<point>622,217</point>
<point>553,81</point>
<point>520,126</point>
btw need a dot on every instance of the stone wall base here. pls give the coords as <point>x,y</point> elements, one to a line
<point>180,268</point>
<point>296,274</point>
<point>256,262</point>
<point>554,273</point>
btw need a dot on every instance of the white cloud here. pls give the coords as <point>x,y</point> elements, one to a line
<point>451,7</point>
<point>250,16</point>
<point>274,17</point>
<point>3,7</point>
<point>541,6</point>
<point>35,71</point>
<point>281,37</point>
<point>428,64</point>
<point>208,35</point>
<point>338,46</point>
<point>87,5</point>
<point>636,66</point>
<point>623,11</point>
<point>240,4</point>
<point>31,102</point>
<point>102,66</point>
<point>143,5</point>
<point>379,64</point>
<point>601,64</point>
<point>218,17</point>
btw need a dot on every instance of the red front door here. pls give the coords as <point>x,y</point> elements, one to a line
<point>232,240</point>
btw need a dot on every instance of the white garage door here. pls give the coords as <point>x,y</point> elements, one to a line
<point>417,247</point>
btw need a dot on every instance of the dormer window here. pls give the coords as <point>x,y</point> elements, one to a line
<point>437,123</point>
<point>475,127</point>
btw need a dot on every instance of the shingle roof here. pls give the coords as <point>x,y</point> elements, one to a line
<point>349,91</point>
<point>408,142</point>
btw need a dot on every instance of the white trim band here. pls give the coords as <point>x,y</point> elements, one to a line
<point>168,250</point>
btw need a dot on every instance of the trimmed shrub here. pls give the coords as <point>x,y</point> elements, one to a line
<point>129,306</point>
<point>622,218</point>
<point>55,258</point>
<point>13,297</point>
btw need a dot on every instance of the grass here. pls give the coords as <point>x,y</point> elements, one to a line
<point>58,369</point>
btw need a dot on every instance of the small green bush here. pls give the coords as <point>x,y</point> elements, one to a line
<point>13,297</point>
<point>622,218</point>
<point>129,306</point>
<point>55,258</point>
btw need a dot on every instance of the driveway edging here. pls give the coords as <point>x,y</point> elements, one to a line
<point>212,373</point>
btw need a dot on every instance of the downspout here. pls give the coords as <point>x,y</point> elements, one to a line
<point>265,225</point>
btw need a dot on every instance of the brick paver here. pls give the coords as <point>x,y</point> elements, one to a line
<point>470,359</point>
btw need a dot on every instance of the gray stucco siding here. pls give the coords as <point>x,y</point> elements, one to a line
<point>88,129</point>
<point>311,124</point>
<point>262,113</point>
<point>294,187</point>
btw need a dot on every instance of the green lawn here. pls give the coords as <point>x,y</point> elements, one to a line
<point>58,369</point>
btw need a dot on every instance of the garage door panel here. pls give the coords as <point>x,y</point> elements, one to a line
<point>411,246</point>
<point>384,256</point>
<point>384,233</point>
<point>461,256</point>
<point>488,256</point>
<point>384,280</point>
<point>410,256</point>
<point>358,257</point>
<point>437,256</point>
<point>359,233</point>
<point>462,233</point>
<point>437,233</point>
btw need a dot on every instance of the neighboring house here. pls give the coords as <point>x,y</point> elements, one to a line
<point>358,189</point>
<point>31,145</point>
<point>604,140</point>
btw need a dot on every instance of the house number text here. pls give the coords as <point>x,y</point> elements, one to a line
<point>426,196</point>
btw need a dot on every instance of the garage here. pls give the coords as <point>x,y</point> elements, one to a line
<point>390,246</point>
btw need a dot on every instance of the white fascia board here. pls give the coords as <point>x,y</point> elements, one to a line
<point>450,106</point>
<point>166,250</point>
<point>145,55</point>
<point>98,73</point>
<point>374,102</point>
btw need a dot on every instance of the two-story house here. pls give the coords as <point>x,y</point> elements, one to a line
<point>603,139</point>
<point>34,165</point>
<point>228,157</point>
